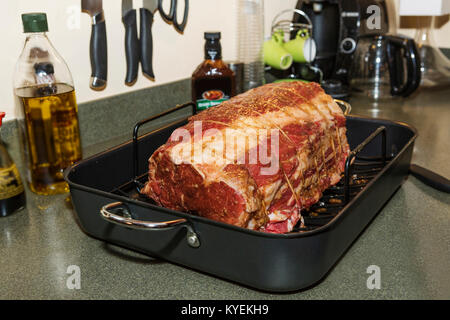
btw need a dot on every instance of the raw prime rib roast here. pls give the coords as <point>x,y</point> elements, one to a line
<point>297,133</point>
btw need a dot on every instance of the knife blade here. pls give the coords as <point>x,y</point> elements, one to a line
<point>132,50</point>
<point>146,14</point>
<point>98,46</point>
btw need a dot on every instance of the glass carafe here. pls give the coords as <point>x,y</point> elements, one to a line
<point>385,66</point>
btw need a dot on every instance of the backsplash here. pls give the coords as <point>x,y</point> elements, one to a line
<point>175,55</point>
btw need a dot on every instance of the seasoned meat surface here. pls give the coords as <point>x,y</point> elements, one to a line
<point>254,161</point>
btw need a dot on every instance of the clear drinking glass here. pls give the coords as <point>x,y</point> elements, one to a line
<point>251,38</point>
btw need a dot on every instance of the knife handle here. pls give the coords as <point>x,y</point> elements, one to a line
<point>98,53</point>
<point>132,49</point>
<point>146,43</point>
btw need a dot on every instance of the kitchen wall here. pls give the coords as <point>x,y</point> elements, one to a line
<point>175,55</point>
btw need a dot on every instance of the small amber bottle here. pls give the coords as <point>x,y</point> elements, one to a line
<point>213,81</point>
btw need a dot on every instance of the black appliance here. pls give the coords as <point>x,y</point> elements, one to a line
<point>337,26</point>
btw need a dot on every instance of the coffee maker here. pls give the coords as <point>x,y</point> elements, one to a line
<point>338,24</point>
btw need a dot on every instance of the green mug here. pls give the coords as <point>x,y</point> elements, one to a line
<point>302,48</point>
<point>274,53</point>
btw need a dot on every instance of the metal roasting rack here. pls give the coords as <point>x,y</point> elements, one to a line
<point>359,171</point>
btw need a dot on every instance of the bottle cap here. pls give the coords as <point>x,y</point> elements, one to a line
<point>212,35</point>
<point>34,22</point>
<point>2,115</point>
<point>213,49</point>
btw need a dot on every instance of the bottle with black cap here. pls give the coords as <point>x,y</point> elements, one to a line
<point>213,81</point>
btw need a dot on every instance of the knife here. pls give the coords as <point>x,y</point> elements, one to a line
<point>146,14</point>
<point>98,48</point>
<point>132,49</point>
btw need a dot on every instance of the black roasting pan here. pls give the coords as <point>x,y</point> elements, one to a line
<point>271,262</point>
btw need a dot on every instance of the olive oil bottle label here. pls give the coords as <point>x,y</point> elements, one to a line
<point>10,183</point>
<point>211,98</point>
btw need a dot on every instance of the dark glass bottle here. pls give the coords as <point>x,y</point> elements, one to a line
<point>12,194</point>
<point>213,81</point>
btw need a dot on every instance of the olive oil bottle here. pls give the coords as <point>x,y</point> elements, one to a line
<point>46,108</point>
<point>213,81</point>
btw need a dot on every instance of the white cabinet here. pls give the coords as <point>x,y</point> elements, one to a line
<point>424,7</point>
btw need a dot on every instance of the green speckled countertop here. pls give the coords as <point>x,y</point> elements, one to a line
<point>409,240</point>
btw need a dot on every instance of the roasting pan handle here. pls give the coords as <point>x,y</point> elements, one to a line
<point>105,213</point>
<point>346,107</point>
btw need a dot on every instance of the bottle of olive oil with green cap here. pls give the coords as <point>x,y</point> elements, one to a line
<point>46,109</point>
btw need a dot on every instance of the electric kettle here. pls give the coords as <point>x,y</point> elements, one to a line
<point>385,66</point>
